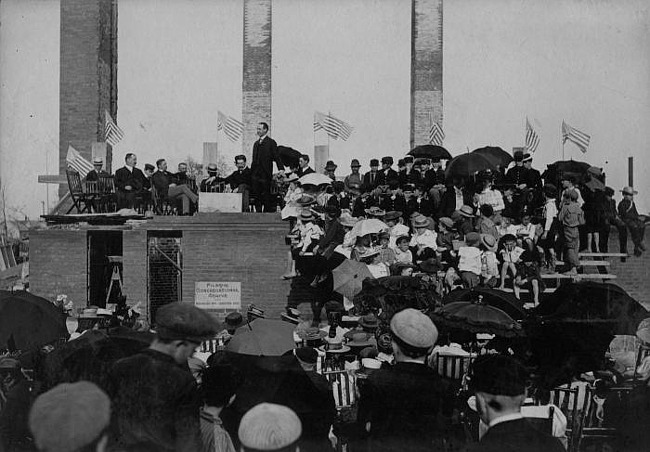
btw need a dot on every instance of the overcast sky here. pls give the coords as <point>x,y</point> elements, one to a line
<point>587,62</point>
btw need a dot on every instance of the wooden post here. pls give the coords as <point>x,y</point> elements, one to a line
<point>630,171</point>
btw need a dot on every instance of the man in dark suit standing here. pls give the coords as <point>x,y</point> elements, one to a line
<point>265,152</point>
<point>129,182</point>
<point>500,385</point>
<point>407,406</point>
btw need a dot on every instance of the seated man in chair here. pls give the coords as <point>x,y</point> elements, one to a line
<point>167,187</point>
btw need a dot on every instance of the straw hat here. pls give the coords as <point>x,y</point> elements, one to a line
<point>489,242</point>
<point>466,211</point>
<point>421,222</point>
<point>375,211</point>
<point>629,191</point>
<point>367,252</point>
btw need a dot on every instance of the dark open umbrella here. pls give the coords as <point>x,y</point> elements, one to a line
<point>495,155</point>
<point>263,337</point>
<point>497,298</point>
<point>469,164</point>
<point>561,168</point>
<point>430,151</point>
<point>289,156</point>
<point>28,321</point>
<point>477,317</point>
<point>392,294</point>
<point>91,355</point>
<point>593,303</point>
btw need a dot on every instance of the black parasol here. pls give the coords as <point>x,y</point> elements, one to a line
<point>495,155</point>
<point>430,151</point>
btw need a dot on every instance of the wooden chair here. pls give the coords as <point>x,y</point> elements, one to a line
<point>593,429</point>
<point>451,367</point>
<point>575,405</point>
<point>543,424</point>
<point>643,353</point>
<point>81,200</point>
<point>161,206</point>
<point>107,198</point>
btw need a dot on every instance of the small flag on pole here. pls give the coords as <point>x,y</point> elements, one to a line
<point>112,132</point>
<point>231,127</point>
<point>436,135</point>
<point>532,139</point>
<point>76,161</point>
<point>579,138</point>
<point>334,127</point>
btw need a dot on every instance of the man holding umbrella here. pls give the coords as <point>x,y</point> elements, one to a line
<point>155,398</point>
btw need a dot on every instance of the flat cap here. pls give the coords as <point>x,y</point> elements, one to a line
<point>184,321</point>
<point>447,222</point>
<point>269,426</point>
<point>498,375</point>
<point>69,416</point>
<point>414,328</point>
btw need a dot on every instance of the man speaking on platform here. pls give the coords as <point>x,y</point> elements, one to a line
<point>265,152</point>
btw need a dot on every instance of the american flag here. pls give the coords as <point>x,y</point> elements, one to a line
<point>334,127</point>
<point>112,132</point>
<point>75,161</point>
<point>230,126</point>
<point>532,139</point>
<point>436,135</point>
<point>579,138</point>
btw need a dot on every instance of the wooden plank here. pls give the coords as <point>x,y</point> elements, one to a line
<point>53,179</point>
<point>602,255</point>
<point>595,263</point>
<point>547,290</point>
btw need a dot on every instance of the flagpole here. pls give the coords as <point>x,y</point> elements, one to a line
<point>563,142</point>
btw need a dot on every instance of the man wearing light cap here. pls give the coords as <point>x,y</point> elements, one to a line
<point>71,417</point>
<point>268,426</point>
<point>213,183</point>
<point>154,395</point>
<point>499,383</point>
<point>93,174</point>
<point>405,406</point>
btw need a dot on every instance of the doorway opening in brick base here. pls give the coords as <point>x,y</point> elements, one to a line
<point>165,263</point>
<point>104,259</point>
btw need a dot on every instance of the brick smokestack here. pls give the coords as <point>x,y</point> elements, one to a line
<point>256,102</point>
<point>426,68</point>
<point>88,75</point>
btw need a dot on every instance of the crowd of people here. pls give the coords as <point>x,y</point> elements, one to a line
<point>166,398</point>
<point>479,229</point>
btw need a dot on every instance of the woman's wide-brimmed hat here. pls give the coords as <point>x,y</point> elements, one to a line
<point>367,252</point>
<point>330,166</point>
<point>375,211</point>
<point>334,346</point>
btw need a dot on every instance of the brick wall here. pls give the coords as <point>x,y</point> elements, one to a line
<point>633,275</point>
<point>163,283</point>
<point>253,254</point>
<point>426,68</point>
<point>88,77</point>
<point>134,258</point>
<point>57,261</point>
<point>256,89</point>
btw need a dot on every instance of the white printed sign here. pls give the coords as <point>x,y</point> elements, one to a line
<point>217,295</point>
